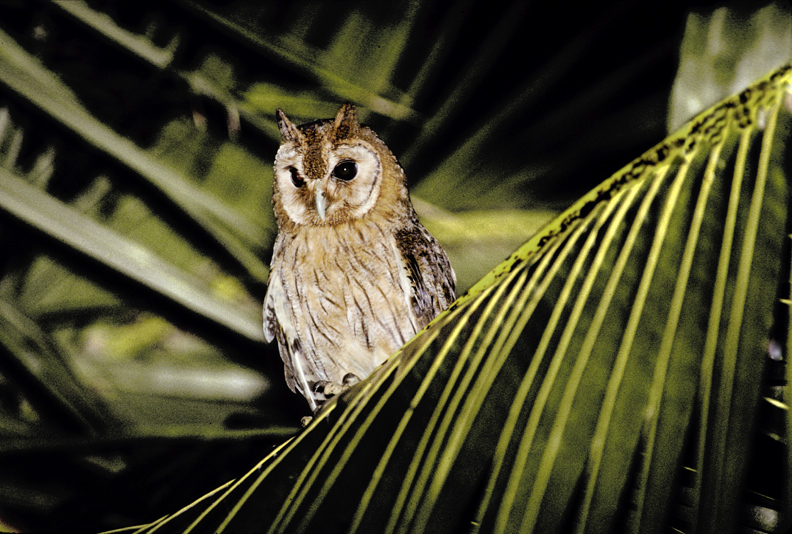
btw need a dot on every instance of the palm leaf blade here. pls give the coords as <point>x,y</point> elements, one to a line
<point>557,391</point>
<point>24,76</point>
<point>747,331</point>
<point>59,221</point>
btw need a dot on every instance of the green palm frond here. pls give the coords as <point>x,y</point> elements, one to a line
<point>610,364</point>
<point>219,221</point>
<point>41,211</point>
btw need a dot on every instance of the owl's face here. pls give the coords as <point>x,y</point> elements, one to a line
<point>334,171</point>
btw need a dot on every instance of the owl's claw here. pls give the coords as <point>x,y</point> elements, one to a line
<point>331,389</point>
<point>350,379</point>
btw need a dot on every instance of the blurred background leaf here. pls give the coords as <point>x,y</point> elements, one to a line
<point>136,142</point>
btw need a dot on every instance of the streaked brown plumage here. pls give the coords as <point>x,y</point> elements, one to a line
<point>354,275</point>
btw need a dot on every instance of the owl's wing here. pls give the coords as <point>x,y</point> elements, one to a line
<point>430,273</point>
<point>270,319</point>
<point>299,374</point>
<point>274,330</point>
<point>278,326</point>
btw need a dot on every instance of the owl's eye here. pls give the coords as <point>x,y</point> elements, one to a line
<point>296,179</point>
<point>346,170</point>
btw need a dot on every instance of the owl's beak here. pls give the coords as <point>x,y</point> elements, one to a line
<point>321,203</point>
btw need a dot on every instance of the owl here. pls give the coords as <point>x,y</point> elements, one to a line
<point>354,275</point>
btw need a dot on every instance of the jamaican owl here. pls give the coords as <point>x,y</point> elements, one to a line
<point>354,275</point>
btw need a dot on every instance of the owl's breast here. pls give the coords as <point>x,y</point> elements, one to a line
<point>349,297</point>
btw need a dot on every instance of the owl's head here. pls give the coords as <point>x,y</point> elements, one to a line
<point>333,171</point>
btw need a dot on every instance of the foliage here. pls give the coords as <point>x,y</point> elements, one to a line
<point>135,148</point>
<point>584,384</point>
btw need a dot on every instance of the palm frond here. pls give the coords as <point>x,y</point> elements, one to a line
<point>30,80</point>
<point>568,388</point>
<point>39,210</point>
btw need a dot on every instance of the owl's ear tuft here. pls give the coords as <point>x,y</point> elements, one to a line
<point>287,128</point>
<point>346,124</point>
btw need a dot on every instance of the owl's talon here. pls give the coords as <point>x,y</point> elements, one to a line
<point>305,421</point>
<point>330,389</point>
<point>350,379</point>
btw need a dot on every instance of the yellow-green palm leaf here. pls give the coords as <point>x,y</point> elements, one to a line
<point>610,365</point>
